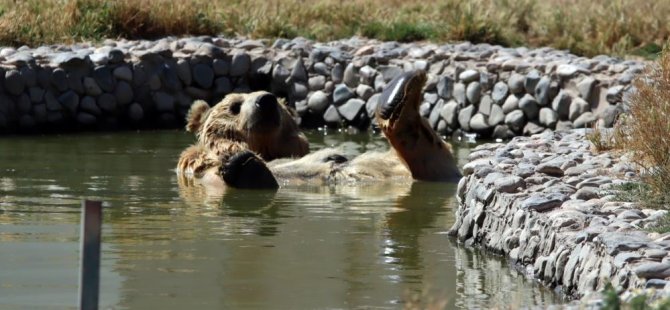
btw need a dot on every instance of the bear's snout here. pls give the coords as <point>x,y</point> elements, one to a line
<point>264,113</point>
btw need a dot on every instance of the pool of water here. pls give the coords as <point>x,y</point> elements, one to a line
<point>374,246</point>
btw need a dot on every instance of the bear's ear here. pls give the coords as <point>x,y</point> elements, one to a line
<point>196,115</point>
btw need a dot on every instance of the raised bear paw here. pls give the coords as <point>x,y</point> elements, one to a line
<point>246,170</point>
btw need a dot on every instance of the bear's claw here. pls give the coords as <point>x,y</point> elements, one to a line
<point>246,170</point>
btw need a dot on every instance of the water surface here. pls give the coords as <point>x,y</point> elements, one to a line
<point>374,246</point>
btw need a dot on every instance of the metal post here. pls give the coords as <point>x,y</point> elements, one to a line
<point>89,272</point>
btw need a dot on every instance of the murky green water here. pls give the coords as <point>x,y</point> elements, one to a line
<point>372,246</point>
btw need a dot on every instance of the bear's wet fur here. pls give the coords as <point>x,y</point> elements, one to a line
<point>253,141</point>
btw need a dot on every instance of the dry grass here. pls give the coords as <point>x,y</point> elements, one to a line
<point>646,130</point>
<point>584,27</point>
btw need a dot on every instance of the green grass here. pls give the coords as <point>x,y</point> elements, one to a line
<point>621,27</point>
<point>611,301</point>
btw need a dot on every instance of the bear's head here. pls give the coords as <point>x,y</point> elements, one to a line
<point>257,119</point>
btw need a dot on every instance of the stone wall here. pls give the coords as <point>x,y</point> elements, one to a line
<point>489,90</point>
<point>546,202</point>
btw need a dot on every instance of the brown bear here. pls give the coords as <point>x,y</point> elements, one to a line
<point>252,141</point>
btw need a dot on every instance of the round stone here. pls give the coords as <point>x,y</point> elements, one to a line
<point>203,75</point>
<point>529,106</point>
<point>240,65</point>
<point>91,87</point>
<point>123,93</point>
<point>107,102</point>
<point>14,82</point>
<point>221,67</point>
<point>123,73</point>
<point>474,93</point>
<point>351,109</point>
<point>88,105</point>
<point>135,112</point>
<point>515,120</point>
<point>184,71</point>
<point>499,93</point>
<point>341,94</point>
<point>318,102</point>
<point>86,119</point>
<point>164,102</point>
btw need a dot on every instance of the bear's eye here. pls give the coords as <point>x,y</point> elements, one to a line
<point>235,107</point>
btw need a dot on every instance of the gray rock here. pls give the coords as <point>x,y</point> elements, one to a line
<point>69,100</point>
<point>577,108</point>
<point>104,78</point>
<point>464,117</point>
<point>542,92</point>
<point>567,70</point>
<point>459,94</point>
<point>223,86</point>
<point>496,116</point>
<point>203,75</point>
<point>478,123</point>
<point>351,109</point>
<point>29,76</point>
<point>351,76</point>
<point>342,94</point>
<point>561,104</point>
<point>473,93</point>
<point>317,83</point>
<point>23,103</point>
<point>485,105</point>
<point>299,91</point>
<point>564,125</point>
<point>135,112</point>
<point>468,76</point>
<point>59,79</point>
<point>331,116</point>
<point>240,65</point>
<point>614,94</point>
<point>548,117</point>
<point>299,72</point>
<point>499,93</point>
<point>364,91</point>
<point>515,120</point>
<point>516,83</point>
<point>321,68</point>
<point>552,168</point>
<point>36,94</point>
<point>449,113</point>
<point>184,72</point>
<point>511,104</point>
<point>164,102</point>
<point>221,67</point>
<point>371,105</point>
<point>86,119</point>
<point>615,242</point>
<point>337,74</point>
<point>532,78</point>
<point>532,128</point>
<point>124,93</point>
<point>652,270</point>
<point>88,105</point>
<point>389,72</point>
<point>123,73</point>
<point>445,87</point>
<point>610,114</point>
<point>529,106</point>
<point>14,83</point>
<point>107,103</point>
<point>318,102</point>
<point>503,132</point>
<point>542,202</point>
<point>585,88</point>
<point>587,193</point>
<point>585,120</point>
<point>91,87</point>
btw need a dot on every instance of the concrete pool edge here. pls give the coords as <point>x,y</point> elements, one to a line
<point>545,202</point>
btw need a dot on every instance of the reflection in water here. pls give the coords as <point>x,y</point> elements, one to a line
<point>172,247</point>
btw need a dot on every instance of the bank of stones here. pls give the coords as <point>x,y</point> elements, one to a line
<point>547,203</point>
<point>489,90</point>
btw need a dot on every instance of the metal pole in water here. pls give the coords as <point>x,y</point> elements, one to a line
<point>89,268</point>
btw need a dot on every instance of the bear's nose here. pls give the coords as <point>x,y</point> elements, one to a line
<point>266,102</point>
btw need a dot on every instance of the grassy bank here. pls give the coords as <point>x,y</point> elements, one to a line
<point>588,28</point>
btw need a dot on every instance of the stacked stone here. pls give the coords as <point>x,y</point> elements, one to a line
<point>548,204</point>
<point>489,90</point>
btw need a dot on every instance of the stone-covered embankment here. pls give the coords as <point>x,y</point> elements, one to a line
<point>546,202</point>
<point>489,90</point>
